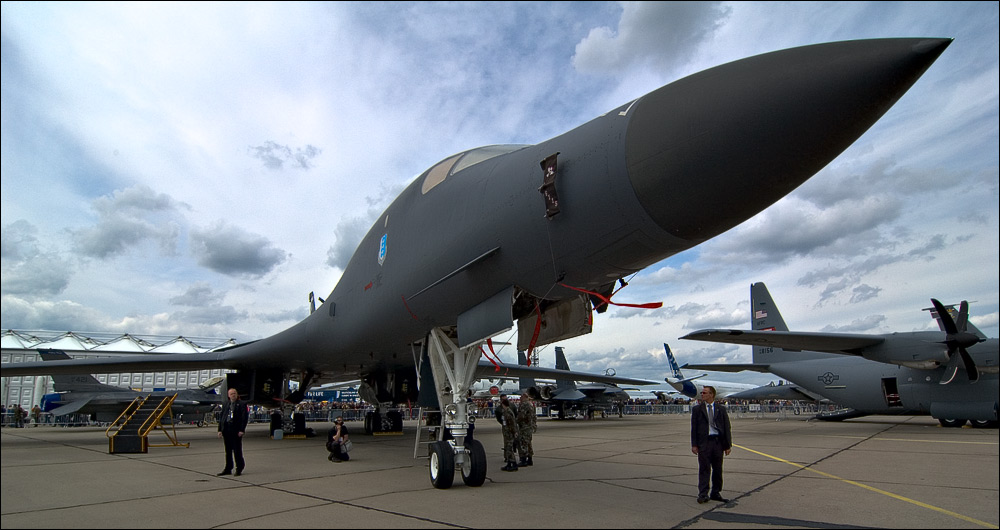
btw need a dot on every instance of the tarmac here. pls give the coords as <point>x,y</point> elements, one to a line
<point>630,472</point>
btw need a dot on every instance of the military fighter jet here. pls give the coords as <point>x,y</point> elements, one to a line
<point>569,395</point>
<point>951,375</point>
<point>84,394</point>
<point>541,234</point>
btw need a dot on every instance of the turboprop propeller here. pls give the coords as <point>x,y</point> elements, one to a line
<point>957,338</point>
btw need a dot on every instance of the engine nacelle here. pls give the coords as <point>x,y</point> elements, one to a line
<point>546,392</point>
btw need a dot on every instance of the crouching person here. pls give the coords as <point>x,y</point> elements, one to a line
<point>338,442</point>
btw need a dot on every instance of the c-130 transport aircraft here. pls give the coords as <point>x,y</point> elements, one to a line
<point>950,375</point>
<point>541,234</point>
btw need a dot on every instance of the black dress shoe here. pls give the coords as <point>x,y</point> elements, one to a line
<point>224,472</point>
<point>239,472</point>
<point>719,498</point>
<point>702,500</point>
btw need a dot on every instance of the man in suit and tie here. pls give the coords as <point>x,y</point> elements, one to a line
<point>232,424</point>
<point>711,437</point>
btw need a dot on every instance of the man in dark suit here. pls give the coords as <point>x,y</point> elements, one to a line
<point>232,424</point>
<point>711,437</point>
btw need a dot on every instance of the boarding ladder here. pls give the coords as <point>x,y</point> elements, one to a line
<point>129,433</point>
<point>428,430</point>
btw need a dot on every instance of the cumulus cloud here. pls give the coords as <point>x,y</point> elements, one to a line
<point>661,35</point>
<point>199,294</point>
<point>232,251</point>
<point>275,156</point>
<point>127,218</point>
<point>19,240</point>
<point>293,315</point>
<point>347,234</point>
<point>767,238</point>
<point>18,313</point>
<point>26,268</point>
<point>869,323</point>
<point>864,292</point>
<point>211,315</point>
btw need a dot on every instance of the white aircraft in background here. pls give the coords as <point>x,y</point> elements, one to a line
<point>658,395</point>
<point>691,386</point>
<point>493,387</point>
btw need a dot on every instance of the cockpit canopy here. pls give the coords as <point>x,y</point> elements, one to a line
<point>453,164</point>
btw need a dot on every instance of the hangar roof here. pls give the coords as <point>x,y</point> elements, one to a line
<point>96,341</point>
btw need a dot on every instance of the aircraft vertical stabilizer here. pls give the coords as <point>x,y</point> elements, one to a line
<point>562,364</point>
<point>676,370</point>
<point>764,316</point>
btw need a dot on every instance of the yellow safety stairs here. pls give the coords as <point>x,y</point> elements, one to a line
<point>129,433</point>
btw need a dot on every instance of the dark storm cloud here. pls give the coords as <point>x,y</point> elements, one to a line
<point>233,251</point>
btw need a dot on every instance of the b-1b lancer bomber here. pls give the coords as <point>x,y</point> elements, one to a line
<point>541,234</point>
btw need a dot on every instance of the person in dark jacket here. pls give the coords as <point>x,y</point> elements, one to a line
<point>232,425</point>
<point>711,437</point>
<point>336,440</point>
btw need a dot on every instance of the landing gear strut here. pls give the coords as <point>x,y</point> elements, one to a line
<point>454,370</point>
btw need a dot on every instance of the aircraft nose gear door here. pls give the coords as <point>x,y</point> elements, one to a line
<point>454,372</point>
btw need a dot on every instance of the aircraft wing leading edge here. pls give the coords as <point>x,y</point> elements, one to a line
<point>70,408</point>
<point>487,370</point>
<point>132,362</point>
<point>842,343</point>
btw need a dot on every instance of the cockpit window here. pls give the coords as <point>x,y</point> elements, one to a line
<point>456,163</point>
<point>437,174</point>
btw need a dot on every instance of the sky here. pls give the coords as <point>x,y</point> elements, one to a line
<point>197,169</point>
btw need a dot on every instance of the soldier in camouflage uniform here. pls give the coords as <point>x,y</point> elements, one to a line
<point>508,422</point>
<point>526,426</point>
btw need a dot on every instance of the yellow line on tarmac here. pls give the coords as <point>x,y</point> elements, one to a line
<point>876,490</point>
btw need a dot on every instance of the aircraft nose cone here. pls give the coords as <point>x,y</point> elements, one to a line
<point>740,136</point>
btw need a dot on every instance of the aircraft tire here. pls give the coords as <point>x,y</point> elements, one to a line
<point>952,423</point>
<point>442,465</point>
<point>369,429</point>
<point>984,424</point>
<point>475,476</point>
